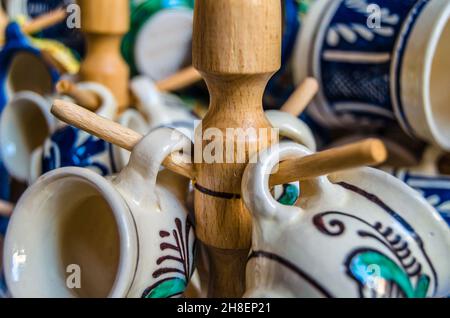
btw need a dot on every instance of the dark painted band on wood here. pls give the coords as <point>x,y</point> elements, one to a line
<point>222,195</point>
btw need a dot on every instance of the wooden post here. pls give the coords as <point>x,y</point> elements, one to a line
<point>236,48</point>
<point>104,23</point>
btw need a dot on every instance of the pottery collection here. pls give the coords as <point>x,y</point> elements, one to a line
<point>127,225</point>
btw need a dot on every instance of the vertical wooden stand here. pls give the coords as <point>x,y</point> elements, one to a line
<point>237,48</point>
<point>104,23</point>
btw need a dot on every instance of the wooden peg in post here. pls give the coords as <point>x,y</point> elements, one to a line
<point>104,22</point>
<point>236,48</point>
<point>301,97</point>
<point>85,98</point>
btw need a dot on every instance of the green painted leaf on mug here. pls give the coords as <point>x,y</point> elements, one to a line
<point>168,288</point>
<point>290,195</point>
<point>362,268</point>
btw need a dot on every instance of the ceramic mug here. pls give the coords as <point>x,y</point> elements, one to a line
<point>71,147</point>
<point>127,237</point>
<point>169,25</point>
<point>30,9</point>
<point>357,233</point>
<point>428,181</point>
<point>162,109</point>
<point>48,60</point>
<point>26,123</point>
<point>379,62</point>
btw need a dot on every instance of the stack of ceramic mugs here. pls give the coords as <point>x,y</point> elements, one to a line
<point>383,69</point>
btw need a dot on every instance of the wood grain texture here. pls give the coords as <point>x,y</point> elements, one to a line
<point>236,48</point>
<point>369,152</point>
<point>104,22</point>
<point>110,131</point>
<point>301,97</point>
<point>179,80</point>
<point>82,97</point>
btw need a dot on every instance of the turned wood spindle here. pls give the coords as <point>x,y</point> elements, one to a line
<point>104,22</point>
<point>236,48</point>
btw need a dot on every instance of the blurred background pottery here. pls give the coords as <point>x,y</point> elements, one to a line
<point>374,75</point>
<point>159,41</point>
<point>61,32</point>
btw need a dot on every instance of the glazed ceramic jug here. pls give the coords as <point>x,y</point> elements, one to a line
<point>125,237</point>
<point>357,233</point>
<point>26,123</point>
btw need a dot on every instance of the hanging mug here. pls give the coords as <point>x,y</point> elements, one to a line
<point>31,9</point>
<point>426,178</point>
<point>125,237</point>
<point>169,26</point>
<point>162,109</point>
<point>48,60</point>
<point>71,147</point>
<point>379,62</point>
<point>357,233</point>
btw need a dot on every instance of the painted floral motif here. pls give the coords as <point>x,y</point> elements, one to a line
<point>171,282</point>
<point>351,32</point>
<point>376,274</point>
<point>71,147</point>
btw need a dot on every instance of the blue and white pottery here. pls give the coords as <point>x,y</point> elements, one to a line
<point>428,181</point>
<point>17,58</point>
<point>356,233</point>
<point>379,62</point>
<point>68,146</point>
<point>31,9</point>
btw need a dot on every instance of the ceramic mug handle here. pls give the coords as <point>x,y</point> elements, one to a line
<point>108,105</point>
<point>255,184</point>
<point>292,128</point>
<point>138,178</point>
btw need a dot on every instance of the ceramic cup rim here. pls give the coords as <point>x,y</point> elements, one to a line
<point>43,106</point>
<point>124,221</point>
<point>432,45</point>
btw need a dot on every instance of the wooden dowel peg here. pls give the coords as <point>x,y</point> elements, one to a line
<point>91,101</point>
<point>45,21</point>
<point>40,23</point>
<point>83,97</point>
<point>301,97</point>
<point>6,208</point>
<point>369,152</point>
<point>109,131</point>
<point>181,79</point>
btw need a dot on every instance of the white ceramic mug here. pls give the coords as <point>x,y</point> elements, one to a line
<point>162,109</point>
<point>125,237</point>
<point>357,233</point>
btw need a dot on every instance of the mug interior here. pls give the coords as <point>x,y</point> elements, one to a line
<point>29,72</point>
<point>23,128</point>
<point>65,229</point>
<point>439,92</point>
